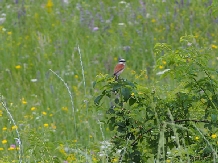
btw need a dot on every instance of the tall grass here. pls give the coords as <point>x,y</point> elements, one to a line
<point>77,41</point>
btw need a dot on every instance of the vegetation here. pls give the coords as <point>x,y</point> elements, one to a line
<point>60,102</point>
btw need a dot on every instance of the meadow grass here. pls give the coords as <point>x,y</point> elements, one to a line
<point>77,41</point>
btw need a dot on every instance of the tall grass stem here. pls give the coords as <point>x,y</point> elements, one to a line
<point>214,152</point>
<point>81,63</point>
<point>16,129</point>
<point>71,98</point>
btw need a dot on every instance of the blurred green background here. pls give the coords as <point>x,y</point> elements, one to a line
<point>39,35</point>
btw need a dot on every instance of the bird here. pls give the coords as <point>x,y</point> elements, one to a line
<point>119,68</point>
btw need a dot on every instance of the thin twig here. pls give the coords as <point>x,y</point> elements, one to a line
<point>124,150</point>
<point>191,120</point>
<point>81,63</point>
<point>71,99</point>
<point>16,129</point>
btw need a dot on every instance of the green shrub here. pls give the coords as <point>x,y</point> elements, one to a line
<point>177,123</point>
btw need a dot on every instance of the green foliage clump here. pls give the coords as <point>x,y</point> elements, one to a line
<point>78,40</point>
<point>166,124</point>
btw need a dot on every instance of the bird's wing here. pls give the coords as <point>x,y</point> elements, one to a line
<point>118,68</point>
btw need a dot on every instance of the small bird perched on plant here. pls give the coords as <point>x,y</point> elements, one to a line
<point>119,68</point>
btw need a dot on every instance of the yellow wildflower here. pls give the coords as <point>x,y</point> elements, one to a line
<point>94,159</point>
<point>160,67</point>
<point>71,157</point>
<point>46,125</point>
<point>213,136</point>
<point>114,160</point>
<point>44,113</point>
<point>24,101</point>
<point>49,4</point>
<point>12,147</point>
<point>4,141</point>
<point>33,108</point>
<point>1,149</point>
<point>164,62</point>
<point>197,138</point>
<point>214,46</point>
<point>4,128</point>
<point>76,76</point>
<point>18,66</point>
<point>64,109</point>
<point>9,33</point>
<point>14,127</point>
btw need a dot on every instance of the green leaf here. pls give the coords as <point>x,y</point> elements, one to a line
<point>111,126</point>
<point>130,84</point>
<point>106,93</point>
<point>207,150</point>
<point>117,86</point>
<point>94,83</point>
<point>110,111</point>
<point>116,101</point>
<point>213,118</point>
<point>121,129</point>
<point>126,93</point>
<point>121,124</point>
<point>132,101</point>
<point>215,99</point>
<point>111,123</point>
<point>98,99</point>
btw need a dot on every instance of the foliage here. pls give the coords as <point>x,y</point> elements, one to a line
<point>163,122</point>
<point>57,119</point>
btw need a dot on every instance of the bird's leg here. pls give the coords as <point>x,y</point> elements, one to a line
<point>116,77</point>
